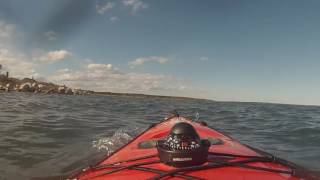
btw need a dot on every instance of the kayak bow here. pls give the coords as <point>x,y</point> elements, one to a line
<point>204,154</point>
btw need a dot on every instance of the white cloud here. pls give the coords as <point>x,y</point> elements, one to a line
<point>142,60</point>
<point>100,67</point>
<point>105,77</point>
<point>17,64</point>
<point>102,8</point>
<point>6,30</point>
<point>135,5</point>
<point>65,70</point>
<point>113,18</point>
<point>51,35</point>
<point>204,58</point>
<point>54,56</point>
<point>92,76</point>
<point>8,34</point>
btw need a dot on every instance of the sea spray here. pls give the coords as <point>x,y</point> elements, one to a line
<point>118,139</point>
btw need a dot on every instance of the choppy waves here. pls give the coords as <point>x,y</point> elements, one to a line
<point>48,135</point>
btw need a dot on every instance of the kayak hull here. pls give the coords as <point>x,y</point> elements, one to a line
<point>109,167</point>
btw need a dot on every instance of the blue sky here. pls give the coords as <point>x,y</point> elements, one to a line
<point>217,49</point>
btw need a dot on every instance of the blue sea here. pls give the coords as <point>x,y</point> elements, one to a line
<point>50,135</point>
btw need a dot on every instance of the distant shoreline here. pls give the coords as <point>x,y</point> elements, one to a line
<point>8,84</point>
<point>146,95</point>
<point>33,86</point>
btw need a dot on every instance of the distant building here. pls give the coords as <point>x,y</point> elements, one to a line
<point>7,73</point>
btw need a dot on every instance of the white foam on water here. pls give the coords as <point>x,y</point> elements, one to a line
<point>118,139</point>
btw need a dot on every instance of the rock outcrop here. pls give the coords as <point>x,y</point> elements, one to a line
<point>31,85</point>
<point>9,87</point>
<point>69,91</point>
<point>62,89</point>
<point>25,87</point>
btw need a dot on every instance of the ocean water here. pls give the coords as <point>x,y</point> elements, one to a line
<point>49,135</point>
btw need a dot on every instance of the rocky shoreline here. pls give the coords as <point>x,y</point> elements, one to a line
<point>31,85</point>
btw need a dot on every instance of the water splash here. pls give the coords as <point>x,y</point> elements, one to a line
<point>118,139</point>
<point>197,115</point>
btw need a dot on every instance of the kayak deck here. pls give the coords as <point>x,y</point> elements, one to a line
<point>227,159</point>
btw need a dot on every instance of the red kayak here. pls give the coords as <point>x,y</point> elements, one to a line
<point>178,148</point>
